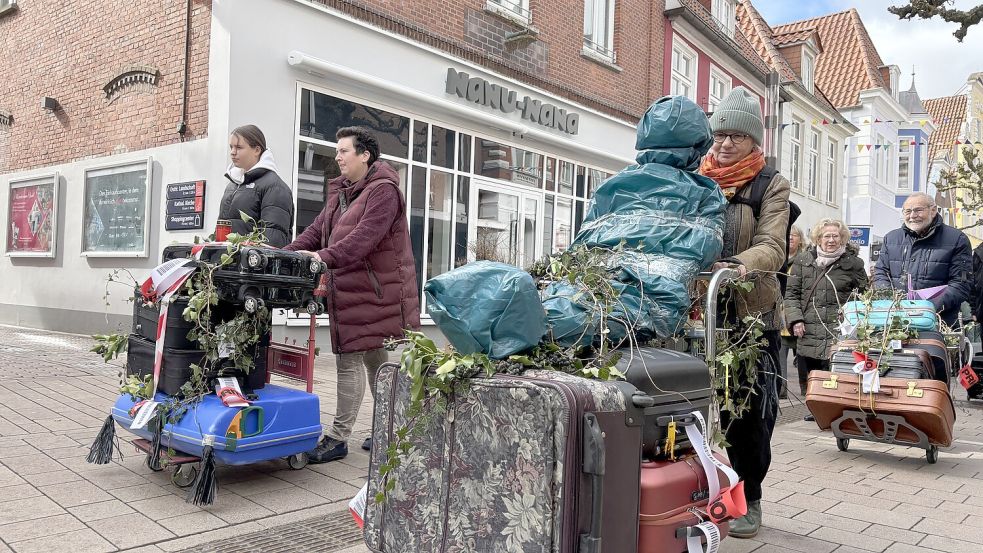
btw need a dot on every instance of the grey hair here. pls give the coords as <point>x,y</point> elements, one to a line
<point>931,200</point>
<point>817,231</point>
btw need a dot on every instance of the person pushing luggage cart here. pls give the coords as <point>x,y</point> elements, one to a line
<point>370,288</point>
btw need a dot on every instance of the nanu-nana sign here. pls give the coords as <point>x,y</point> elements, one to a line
<point>482,92</point>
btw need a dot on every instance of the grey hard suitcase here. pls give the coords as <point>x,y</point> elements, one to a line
<point>512,466</point>
<point>677,383</point>
<point>907,364</point>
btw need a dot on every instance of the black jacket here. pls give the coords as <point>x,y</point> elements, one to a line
<point>263,196</point>
<point>941,257</point>
<point>977,299</point>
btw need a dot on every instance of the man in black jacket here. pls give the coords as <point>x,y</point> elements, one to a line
<point>925,253</point>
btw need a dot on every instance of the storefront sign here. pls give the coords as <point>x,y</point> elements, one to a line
<point>31,214</point>
<point>875,250</point>
<point>185,205</point>
<point>860,235</point>
<point>188,221</point>
<point>482,92</point>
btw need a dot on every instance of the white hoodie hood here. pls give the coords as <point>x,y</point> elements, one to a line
<point>266,161</point>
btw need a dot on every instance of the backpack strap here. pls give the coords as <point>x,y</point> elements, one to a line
<point>758,188</point>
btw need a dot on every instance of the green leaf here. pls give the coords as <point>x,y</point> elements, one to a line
<point>447,367</point>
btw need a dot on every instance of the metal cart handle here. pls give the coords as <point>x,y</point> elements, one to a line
<point>718,279</point>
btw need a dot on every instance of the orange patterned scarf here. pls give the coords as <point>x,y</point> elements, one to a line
<point>732,178</point>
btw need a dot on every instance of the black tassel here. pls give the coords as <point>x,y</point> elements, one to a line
<point>153,458</point>
<point>101,451</point>
<point>203,491</point>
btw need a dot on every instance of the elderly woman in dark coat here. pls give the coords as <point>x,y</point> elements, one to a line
<point>821,280</point>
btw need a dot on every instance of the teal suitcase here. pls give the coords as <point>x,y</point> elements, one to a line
<point>917,314</point>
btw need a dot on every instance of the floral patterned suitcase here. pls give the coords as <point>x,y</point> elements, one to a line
<point>540,462</point>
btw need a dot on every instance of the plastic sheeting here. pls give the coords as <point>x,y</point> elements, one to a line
<point>487,307</point>
<point>671,220</point>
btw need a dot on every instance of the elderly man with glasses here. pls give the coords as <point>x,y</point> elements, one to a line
<point>927,257</point>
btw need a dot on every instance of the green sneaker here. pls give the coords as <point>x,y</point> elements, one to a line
<point>748,525</point>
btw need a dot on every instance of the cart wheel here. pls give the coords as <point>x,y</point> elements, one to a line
<point>932,454</point>
<point>842,443</point>
<point>297,461</point>
<point>158,468</point>
<point>184,475</point>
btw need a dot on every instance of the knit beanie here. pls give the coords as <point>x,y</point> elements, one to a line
<point>741,112</point>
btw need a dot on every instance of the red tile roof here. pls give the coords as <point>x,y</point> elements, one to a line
<point>761,37</point>
<point>948,113</point>
<point>849,62</point>
<point>740,42</point>
<point>794,36</point>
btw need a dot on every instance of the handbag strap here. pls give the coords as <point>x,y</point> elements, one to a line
<point>812,289</point>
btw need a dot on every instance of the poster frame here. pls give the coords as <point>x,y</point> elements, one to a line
<point>24,182</point>
<point>148,163</point>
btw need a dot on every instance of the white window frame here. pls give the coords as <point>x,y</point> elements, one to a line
<point>808,70</point>
<point>812,176</point>
<point>689,80</point>
<point>831,155</point>
<point>905,161</point>
<point>725,12</point>
<point>795,169</point>
<point>597,25</point>
<point>516,10</point>
<point>716,75</point>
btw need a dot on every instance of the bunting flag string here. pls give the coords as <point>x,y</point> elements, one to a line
<point>868,121</point>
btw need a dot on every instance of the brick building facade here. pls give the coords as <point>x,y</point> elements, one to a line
<point>117,73</point>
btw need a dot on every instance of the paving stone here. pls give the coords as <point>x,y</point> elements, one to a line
<point>790,525</point>
<point>38,528</point>
<point>779,509</point>
<point>798,487</point>
<point>192,523</point>
<point>893,534</point>
<point>73,542</point>
<point>906,548</point>
<point>898,497</point>
<point>19,491</point>
<point>54,477</point>
<point>75,493</point>
<point>728,545</point>
<point>130,530</point>
<point>165,506</point>
<point>864,542</point>
<point>858,499</point>
<point>235,509</point>
<point>833,521</point>
<point>329,488</point>
<point>17,451</point>
<point>101,510</point>
<point>949,545</point>
<point>811,502</point>
<point>136,493</point>
<point>284,501</point>
<point>969,531</point>
<point>255,485</point>
<point>28,509</point>
<point>930,513</point>
<point>794,542</point>
<point>32,464</point>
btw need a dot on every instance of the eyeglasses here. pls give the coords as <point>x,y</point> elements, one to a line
<point>736,138</point>
<point>916,210</point>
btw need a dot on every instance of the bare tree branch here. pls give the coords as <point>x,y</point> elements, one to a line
<point>967,176</point>
<point>927,9</point>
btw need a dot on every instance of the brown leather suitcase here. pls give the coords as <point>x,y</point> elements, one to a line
<point>924,404</point>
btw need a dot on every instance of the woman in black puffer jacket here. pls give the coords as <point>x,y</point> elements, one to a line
<point>255,189</point>
<point>821,280</point>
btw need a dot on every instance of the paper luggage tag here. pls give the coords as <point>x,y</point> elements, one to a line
<point>144,415</point>
<point>895,345</point>
<point>869,374</point>
<point>694,543</point>
<point>848,329</point>
<point>726,503</point>
<point>968,377</point>
<point>357,505</point>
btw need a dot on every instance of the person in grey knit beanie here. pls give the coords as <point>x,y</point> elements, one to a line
<point>739,111</point>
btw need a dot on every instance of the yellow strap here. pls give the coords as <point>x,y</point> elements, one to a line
<point>671,440</point>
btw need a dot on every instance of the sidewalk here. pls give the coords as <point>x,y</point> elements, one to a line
<point>54,396</point>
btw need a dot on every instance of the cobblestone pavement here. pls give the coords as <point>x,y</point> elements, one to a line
<point>54,396</point>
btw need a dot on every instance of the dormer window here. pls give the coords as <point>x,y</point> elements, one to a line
<point>808,70</point>
<point>724,11</point>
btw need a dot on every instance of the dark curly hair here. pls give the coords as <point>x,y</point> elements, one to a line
<point>363,141</point>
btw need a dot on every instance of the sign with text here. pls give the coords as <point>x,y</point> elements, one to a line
<point>185,206</point>
<point>860,235</point>
<point>31,214</point>
<point>116,209</point>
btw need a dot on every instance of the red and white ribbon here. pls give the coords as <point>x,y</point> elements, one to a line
<point>165,279</point>
<point>726,503</point>
<point>870,375</point>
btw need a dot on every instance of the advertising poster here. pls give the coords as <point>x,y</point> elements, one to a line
<point>31,216</point>
<point>116,210</point>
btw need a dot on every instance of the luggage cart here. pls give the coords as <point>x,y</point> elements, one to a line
<point>891,425</point>
<point>289,360</point>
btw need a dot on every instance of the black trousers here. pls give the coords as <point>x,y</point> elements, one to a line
<point>750,436</point>
<point>804,365</point>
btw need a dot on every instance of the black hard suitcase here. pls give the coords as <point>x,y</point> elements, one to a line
<point>146,315</point>
<point>677,384</point>
<point>260,276</point>
<point>976,390</point>
<point>910,365</point>
<point>554,453</point>
<point>176,366</point>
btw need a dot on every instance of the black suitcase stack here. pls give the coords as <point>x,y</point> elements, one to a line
<point>260,276</point>
<point>257,277</point>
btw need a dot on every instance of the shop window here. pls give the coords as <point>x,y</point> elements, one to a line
<point>548,224</point>
<point>322,115</point>
<point>464,152</point>
<point>461,221</point>
<point>566,178</point>
<point>116,210</point>
<point>440,232</point>
<point>578,217</point>
<point>562,224</point>
<point>316,166</point>
<point>550,170</point>
<point>595,178</point>
<point>417,208</point>
<point>442,147</point>
<point>581,181</point>
<point>509,163</point>
<point>420,130</point>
